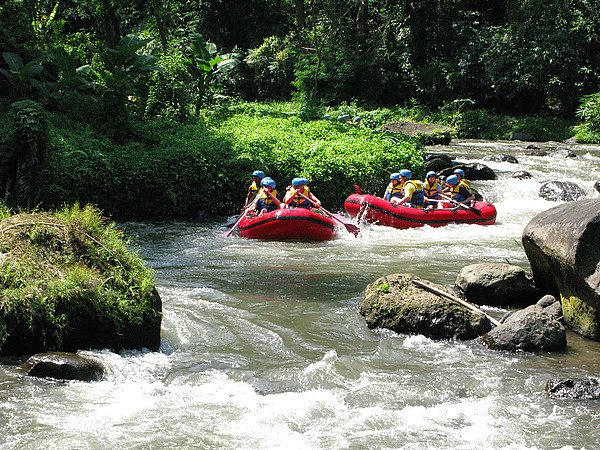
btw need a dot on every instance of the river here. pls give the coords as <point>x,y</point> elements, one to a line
<point>263,347</point>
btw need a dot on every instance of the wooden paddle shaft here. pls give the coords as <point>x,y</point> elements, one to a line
<point>451,297</point>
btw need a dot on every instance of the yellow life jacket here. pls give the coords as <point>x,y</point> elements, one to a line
<point>394,191</point>
<point>297,200</point>
<point>465,183</point>
<point>417,194</point>
<point>431,189</point>
<point>267,199</point>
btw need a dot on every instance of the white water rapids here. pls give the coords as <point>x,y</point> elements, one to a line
<point>263,346</point>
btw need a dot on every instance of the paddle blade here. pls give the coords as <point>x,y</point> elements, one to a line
<point>352,229</point>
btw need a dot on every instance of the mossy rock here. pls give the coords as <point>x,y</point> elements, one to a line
<point>394,302</point>
<point>69,282</point>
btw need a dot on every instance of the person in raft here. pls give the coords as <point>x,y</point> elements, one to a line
<point>293,200</point>
<point>414,197</point>
<point>257,176</point>
<point>432,187</point>
<point>267,197</point>
<point>460,174</point>
<point>393,192</point>
<point>459,190</point>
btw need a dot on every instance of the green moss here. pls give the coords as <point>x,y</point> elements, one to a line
<point>580,316</point>
<point>68,281</point>
<point>384,288</point>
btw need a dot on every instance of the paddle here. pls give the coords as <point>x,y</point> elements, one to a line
<point>351,228</point>
<point>237,222</point>
<point>470,208</point>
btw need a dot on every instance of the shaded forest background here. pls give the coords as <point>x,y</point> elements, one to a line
<point>84,81</point>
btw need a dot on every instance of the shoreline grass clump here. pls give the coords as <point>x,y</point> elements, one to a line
<point>69,282</point>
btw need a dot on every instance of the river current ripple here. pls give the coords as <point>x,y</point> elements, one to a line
<point>263,347</point>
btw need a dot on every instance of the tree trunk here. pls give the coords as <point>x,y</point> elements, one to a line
<point>300,14</point>
<point>361,23</point>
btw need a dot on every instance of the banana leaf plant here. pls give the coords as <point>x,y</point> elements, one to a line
<point>21,77</point>
<point>205,63</point>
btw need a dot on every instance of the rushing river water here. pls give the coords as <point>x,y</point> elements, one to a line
<point>262,345</point>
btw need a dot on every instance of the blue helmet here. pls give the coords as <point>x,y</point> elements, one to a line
<point>460,172</point>
<point>395,176</point>
<point>406,173</point>
<point>298,181</point>
<point>452,179</point>
<point>258,173</point>
<point>431,173</point>
<point>267,181</point>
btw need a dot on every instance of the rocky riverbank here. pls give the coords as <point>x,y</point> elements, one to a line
<point>69,282</point>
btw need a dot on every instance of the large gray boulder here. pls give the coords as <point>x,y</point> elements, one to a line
<point>563,248</point>
<point>496,284</point>
<point>529,330</point>
<point>64,366</point>
<point>574,388</point>
<point>473,171</point>
<point>502,157</point>
<point>437,165</point>
<point>562,191</point>
<point>393,302</point>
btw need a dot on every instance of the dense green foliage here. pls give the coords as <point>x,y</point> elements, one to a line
<point>68,281</point>
<point>589,113</point>
<point>109,96</point>
<point>181,169</point>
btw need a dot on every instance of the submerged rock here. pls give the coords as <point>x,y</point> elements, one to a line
<point>563,248</point>
<point>442,156</point>
<point>563,152</point>
<point>475,171</point>
<point>537,153</point>
<point>64,366</point>
<point>502,157</point>
<point>521,174</point>
<point>529,330</point>
<point>574,388</point>
<point>562,191</point>
<point>597,186</point>
<point>72,284</point>
<point>495,284</point>
<point>393,302</point>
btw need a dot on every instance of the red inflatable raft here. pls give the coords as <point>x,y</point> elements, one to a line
<point>289,225</point>
<point>376,210</point>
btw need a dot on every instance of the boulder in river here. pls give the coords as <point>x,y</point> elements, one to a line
<point>394,302</point>
<point>537,153</point>
<point>475,171</point>
<point>521,174</point>
<point>532,147</point>
<point>437,165</point>
<point>563,248</point>
<point>597,186</point>
<point>495,284</point>
<point>70,283</point>
<point>502,157</point>
<point>521,136</point>
<point>529,330</point>
<point>442,156</point>
<point>546,301</point>
<point>574,388</point>
<point>64,366</point>
<point>562,191</point>
<point>563,152</point>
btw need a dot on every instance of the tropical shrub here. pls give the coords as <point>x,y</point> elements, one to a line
<point>589,113</point>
